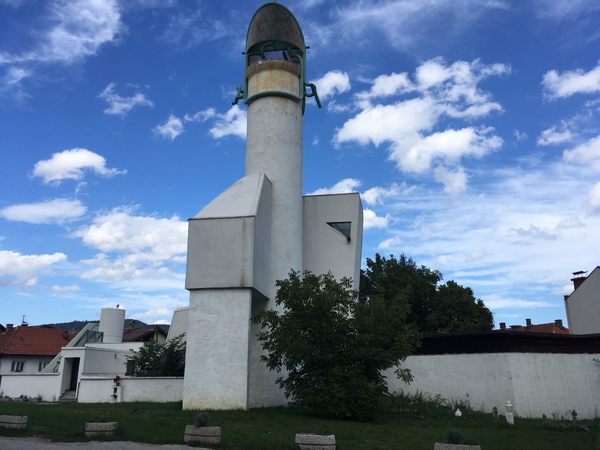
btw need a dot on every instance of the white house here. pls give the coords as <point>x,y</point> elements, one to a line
<point>583,304</point>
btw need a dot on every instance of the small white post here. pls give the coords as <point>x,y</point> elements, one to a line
<point>510,416</point>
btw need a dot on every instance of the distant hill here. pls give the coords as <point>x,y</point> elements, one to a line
<point>76,326</point>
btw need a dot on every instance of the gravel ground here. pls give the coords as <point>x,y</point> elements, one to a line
<point>9,443</point>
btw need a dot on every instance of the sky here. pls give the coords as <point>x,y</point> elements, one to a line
<point>470,127</point>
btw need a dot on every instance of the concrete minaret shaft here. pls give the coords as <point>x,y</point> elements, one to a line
<point>274,147</point>
<point>274,93</point>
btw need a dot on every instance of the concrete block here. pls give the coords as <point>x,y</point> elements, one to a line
<point>202,435</point>
<point>441,446</point>
<point>315,441</point>
<point>101,428</point>
<point>14,422</point>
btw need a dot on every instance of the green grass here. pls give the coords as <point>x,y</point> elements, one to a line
<point>409,425</point>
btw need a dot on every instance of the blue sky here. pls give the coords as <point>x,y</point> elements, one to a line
<point>471,128</point>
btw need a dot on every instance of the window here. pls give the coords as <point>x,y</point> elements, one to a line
<point>17,366</point>
<point>343,227</point>
<point>42,365</point>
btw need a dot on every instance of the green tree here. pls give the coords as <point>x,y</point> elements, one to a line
<point>158,360</point>
<point>433,308</point>
<point>330,349</point>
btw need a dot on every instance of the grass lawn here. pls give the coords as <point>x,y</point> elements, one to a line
<point>411,427</point>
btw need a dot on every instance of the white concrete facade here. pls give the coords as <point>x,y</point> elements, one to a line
<point>150,389</point>
<point>256,232</point>
<point>583,306</point>
<point>553,384</point>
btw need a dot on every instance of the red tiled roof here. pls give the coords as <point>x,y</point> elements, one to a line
<point>32,341</point>
<point>141,334</point>
<point>539,328</point>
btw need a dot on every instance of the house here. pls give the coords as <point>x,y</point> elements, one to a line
<point>154,333</point>
<point>555,327</point>
<point>97,350</point>
<point>583,304</point>
<point>25,349</point>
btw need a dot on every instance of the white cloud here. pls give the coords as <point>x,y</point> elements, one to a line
<point>193,27</point>
<point>408,125</point>
<point>405,24</point>
<point>137,253</point>
<point>570,82</point>
<point>232,123</point>
<point>389,123</point>
<point>390,243</point>
<point>78,28</point>
<point>376,194</point>
<point>148,237</point>
<point>454,181</point>
<point>172,128</point>
<point>24,270</point>
<point>496,302</point>
<point>448,146</point>
<point>119,105</point>
<point>341,187</point>
<point>333,83</point>
<point>201,116</point>
<point>387,85</point>
<point>562,10</point>
<point>50,211</point>
<point>554,136</point>
<point>65,289</point>
<point>502,236</point>
<point>594,197</point>
<point>71,165</point>
<point>588,152</point>
<point>372,220</point>
<point>520,135</point>
<point>12,81</point>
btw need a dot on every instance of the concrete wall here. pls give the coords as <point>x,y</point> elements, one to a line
<point>104,361</point>
<point>32,385</point>
<point>159,389</point>
<point>31,363</point>
<point>583,306</point>
<point>536,383</point>
<point>216,369</point>
<point>326,249</point>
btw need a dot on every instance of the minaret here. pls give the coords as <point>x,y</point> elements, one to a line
<point>251,235</point>
<point>274,90</point>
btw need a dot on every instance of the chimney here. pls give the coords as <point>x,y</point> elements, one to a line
<point>528,322</point>
<point>503,325</point>
<point>9,326</point>
<point>558,323</point>
<point>578,278</point>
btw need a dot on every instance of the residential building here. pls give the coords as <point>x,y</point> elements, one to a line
<point>583,304</point>
<point>25,349</point>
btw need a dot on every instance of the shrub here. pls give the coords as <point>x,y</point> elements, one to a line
<point>331,348</point>
<point>158,360</point>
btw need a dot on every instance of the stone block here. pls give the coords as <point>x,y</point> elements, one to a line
<point>101,428</point>
<point>315,441</point>
<point>202,435</point>
<point>441,446</point>
<point>14,422</point>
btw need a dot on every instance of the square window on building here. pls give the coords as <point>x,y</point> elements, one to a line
<point>42,365</point>
<point>17,366</point>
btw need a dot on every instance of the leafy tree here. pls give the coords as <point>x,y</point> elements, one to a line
<point>330,349</point>
<point>158,360</point>
<point>433,308</point>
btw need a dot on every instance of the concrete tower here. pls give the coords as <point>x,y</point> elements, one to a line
<point>261,227</point>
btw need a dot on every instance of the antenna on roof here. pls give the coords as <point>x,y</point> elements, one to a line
<point>23,320</point>
<point>579,273</point>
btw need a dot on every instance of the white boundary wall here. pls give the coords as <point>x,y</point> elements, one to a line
<point>32,385</point>
<point>536,383</point>
<point>159,390</point>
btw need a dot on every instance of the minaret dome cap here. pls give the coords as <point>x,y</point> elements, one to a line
<point>274,22</point>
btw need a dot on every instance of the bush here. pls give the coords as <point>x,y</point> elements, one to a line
<point>158,360</point>
<point>201,419</point>
<point>453,436</point>
<point>330,348</point>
